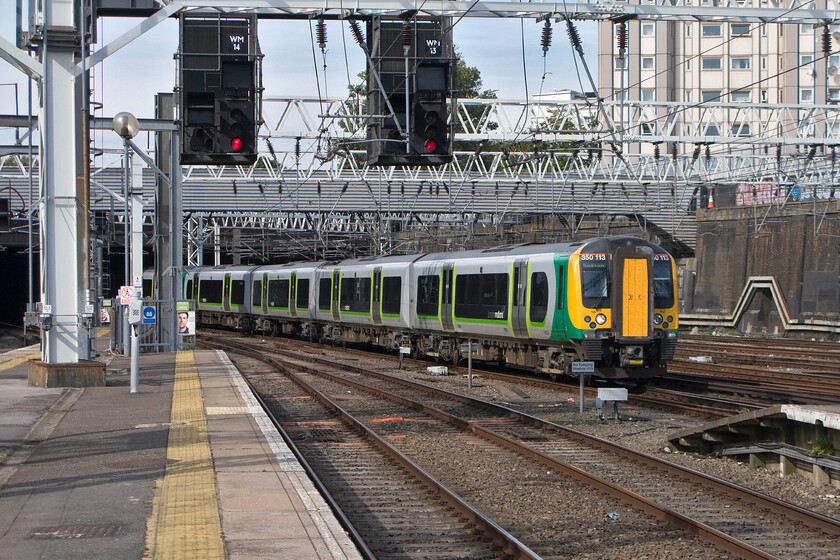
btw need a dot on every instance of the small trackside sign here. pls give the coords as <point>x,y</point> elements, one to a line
<point>583,367</point>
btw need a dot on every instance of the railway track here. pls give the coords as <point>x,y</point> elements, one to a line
<point>735,519</point>
<point>392,508</point>
<point>670,399</point>
<point>769,370</point>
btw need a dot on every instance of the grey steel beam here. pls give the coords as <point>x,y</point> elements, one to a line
<point>20,59</point>
<point>678,10</point>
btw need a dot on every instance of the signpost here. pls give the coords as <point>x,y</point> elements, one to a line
<point>404,350</point>
<point>582,368</point>
<point>469,348</point>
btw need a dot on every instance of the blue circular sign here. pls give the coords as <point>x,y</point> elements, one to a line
<point>148,312</point>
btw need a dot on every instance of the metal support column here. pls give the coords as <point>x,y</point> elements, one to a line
<point>63,217</point>
<point>167,266</point>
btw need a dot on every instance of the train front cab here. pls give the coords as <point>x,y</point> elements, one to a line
<point>625,307</point>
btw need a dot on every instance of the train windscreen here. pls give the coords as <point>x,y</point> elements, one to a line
<point>663,282</point>
<point>595,280</point>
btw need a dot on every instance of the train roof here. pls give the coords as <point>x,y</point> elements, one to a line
<point>381,259</point>
<point>594,244</point>
<point>601,244</point>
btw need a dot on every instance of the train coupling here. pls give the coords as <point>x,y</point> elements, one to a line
<point>631,356</point>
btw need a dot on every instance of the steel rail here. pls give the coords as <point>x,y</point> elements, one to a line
<point>510,543</point>
<point>709,534</point>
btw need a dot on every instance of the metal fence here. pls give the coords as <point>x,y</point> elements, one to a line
<point>159,330</point>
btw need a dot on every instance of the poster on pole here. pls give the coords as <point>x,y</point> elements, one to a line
<point>186,323</point>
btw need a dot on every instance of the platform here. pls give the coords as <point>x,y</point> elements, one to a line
<point>789,438</point>
<point>188,467</point>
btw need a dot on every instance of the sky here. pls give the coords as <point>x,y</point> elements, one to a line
<point>129,79</point>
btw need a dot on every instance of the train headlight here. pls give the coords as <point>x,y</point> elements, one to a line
<point>587,319</point>
<point>600,318</point>
<point>657,319</point>
<point>670,319</point>
<point>665,325</point>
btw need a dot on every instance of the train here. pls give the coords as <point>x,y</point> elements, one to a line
<point>611,301</point>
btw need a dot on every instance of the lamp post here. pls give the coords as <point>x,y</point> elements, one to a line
<point>126,125</point>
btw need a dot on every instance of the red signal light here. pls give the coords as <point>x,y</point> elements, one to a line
<point>431,145</point>
<point>236,144</point>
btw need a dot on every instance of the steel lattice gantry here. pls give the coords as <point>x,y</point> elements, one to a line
<point>322,189</point>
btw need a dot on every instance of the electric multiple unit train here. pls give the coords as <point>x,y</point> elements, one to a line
<point>611,301</point>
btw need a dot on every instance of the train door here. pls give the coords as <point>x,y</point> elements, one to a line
<point>226,292</point>
<point>265,293</point>
<point>293,295</point>
<point>336,292</point>
<point>376,297</point>
<point>519,310</point>
<point>447,290</point>
<point>632,270</point>
<point>558,329</point>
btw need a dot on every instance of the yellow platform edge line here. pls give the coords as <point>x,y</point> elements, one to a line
<point>185,523</point>
<point>17,361</point>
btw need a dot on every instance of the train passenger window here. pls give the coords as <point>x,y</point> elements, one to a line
<point>302,293</point>
<point>256,297</point>
<point>428,288</point>
<point>237,292</point>
<point>391,291</point>
<point>147,288</point>
<point>595,280</point>
<point>481,296</point>
<point>355,295</point>
<point>663,283</point>
<point>189,292</point>
<point>210,291</point>
<point>324,294</point>
<point>278,293</point>
<point>539,297</point>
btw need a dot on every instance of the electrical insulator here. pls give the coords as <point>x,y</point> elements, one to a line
<point>696,153</point>
<point>708,152</point>
<point>656,152</point>
<point>622,38</point>
<point>826,40</point>
<point>321,34</point>
<point>574,37</point>
<point>297,147</point>
<point>357,32</point>
<point>545,40</point>
<point>406,35</point>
